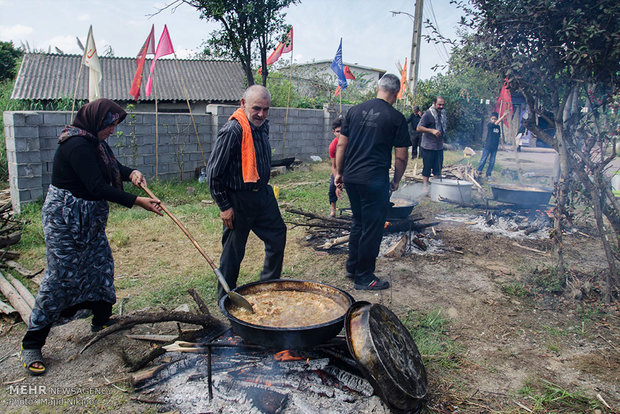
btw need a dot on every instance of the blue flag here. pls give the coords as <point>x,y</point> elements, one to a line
<point>338,69</point>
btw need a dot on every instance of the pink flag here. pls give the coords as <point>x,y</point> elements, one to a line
<point>164,47</point>
<point>147,49</point>
<point>283,47</point>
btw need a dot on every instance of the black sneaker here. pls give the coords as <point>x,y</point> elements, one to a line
<point>374,284</point>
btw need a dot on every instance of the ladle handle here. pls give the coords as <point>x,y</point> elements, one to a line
<point>217,272</point>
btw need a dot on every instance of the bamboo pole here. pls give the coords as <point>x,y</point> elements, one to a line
<point>288,99</point>
<point>76,88</point>
<point>191,115</point>
<point>14,298</point>
<point>156,126</point>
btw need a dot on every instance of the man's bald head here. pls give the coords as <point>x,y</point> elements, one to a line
<point>255,103</point>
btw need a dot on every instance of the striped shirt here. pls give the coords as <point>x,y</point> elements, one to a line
<point>224,166</point>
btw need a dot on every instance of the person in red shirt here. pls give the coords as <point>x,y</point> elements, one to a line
<point>334,192</point>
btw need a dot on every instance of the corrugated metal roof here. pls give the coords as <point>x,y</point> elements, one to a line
<point>53,76</point>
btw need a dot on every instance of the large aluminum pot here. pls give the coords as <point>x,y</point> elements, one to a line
<point>288,338</point>
<point>522,196</point>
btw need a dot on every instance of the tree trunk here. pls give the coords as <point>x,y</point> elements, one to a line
<point>610,276</point>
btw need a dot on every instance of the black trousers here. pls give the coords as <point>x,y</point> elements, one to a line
<point>101,314</point>
<point>255,211</point>
<point>369,204</point>
<point>432,161</point>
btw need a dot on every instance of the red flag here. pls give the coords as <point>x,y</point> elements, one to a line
<point>283,47</point>
<point>348,74</point>
<point>338,90</point>
<point>147,49</point>
<point>164,47</point>
<point>504,102</point>
<point>403,81</point>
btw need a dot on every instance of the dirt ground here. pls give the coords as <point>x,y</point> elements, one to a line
<point>508,341</point>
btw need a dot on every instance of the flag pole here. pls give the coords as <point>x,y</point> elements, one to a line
<point>340,97</point>
<point>76,87</point>
<point>288,99</point>
<point>176,61</point>
<point>156,126</point>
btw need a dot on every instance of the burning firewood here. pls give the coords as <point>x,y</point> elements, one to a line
<point>398,249</point>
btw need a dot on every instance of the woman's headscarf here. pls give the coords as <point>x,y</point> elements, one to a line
<point>91,116</point>
<point>90,119</point>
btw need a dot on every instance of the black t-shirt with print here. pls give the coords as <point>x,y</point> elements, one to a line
<point>373,128</point>
<point>493,134</point>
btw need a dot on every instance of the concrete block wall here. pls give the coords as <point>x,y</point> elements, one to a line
<point>31,141</point>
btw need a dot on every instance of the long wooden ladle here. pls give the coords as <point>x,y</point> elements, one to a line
<point>235,297</point>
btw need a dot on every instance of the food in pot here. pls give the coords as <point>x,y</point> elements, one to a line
<point>288,309</point>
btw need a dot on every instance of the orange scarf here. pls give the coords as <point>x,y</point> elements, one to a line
<point>248,156</point>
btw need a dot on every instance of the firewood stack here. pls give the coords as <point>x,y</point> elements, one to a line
<point>16,298</point>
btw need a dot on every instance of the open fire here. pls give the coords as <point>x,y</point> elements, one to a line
<point>235,378</point>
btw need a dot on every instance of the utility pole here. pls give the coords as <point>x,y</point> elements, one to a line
<point>415,47</point>
<point>414,62</point>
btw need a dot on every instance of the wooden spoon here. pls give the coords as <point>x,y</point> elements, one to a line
<point>235,297</point>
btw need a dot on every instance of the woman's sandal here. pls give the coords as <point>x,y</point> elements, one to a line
<point>29,357</point>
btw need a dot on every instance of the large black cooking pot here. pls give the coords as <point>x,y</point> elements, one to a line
<point>288,338</point>
<point>387,355</point>
<point>400,209</point>
<point>522,196</point>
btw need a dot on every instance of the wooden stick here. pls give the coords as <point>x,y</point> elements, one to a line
<point>129,321</point>
<point>14,298</point>
<point>6,309</point>
<point>23,291</point>
<point>335,242</point>
<point>153,338</point>
<point>21,269</point>
<point>183,229</point>
<point>529,248</point>
<point>189,107</point>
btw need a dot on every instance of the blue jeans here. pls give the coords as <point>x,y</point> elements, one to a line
<point>491,156</point>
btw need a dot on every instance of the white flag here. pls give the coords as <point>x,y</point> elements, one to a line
<point>91,60</point>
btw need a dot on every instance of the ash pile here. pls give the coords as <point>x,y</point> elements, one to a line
<point>225,375</point>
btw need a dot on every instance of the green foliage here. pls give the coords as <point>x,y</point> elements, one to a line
<point>246,27</point>
<point>550,397</point>
<point>548,280</point>
<point>429,333</point>
<point>515,288</point>
<point>462,87</point>
<point>9,57</point>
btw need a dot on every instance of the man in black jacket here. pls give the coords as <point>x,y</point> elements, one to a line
<point>238,173</point>
<point>416,136</point>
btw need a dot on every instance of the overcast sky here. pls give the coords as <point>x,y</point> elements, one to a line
<point>371,36</point>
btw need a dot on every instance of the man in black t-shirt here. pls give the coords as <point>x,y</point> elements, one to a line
<point>491,144</point>
<point>363,158</point>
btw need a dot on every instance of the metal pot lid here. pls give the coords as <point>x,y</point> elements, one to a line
<point>387,354</point>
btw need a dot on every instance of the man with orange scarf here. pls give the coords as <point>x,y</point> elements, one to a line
<point>238,173</point>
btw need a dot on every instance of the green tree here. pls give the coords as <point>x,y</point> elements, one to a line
<point>563,56</point>
<point>8,60</point>
<point>463,86</point>
<point>248,30</point>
